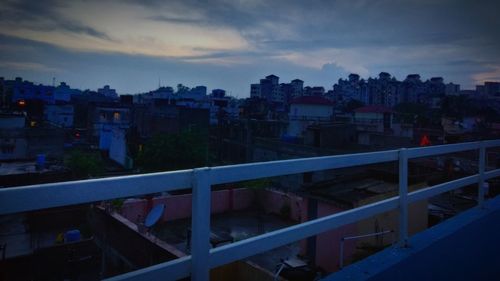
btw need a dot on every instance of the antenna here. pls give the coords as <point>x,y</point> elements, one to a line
<point>53,81</point>
<point>159,83</point>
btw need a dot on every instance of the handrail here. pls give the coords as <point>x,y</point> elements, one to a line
<point>202,259</point>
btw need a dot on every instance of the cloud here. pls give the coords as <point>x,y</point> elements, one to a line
<point>42,16</point>
<point>492,73</point>
<point>31,66</point>
<point>317,40</point>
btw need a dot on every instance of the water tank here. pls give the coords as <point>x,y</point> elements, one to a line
<point>72,236</point>
<point>40,161</point>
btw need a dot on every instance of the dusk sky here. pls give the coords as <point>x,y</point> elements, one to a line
<point>130,45</point>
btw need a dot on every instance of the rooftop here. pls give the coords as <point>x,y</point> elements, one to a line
<point>373,109</point>
<point>232,227</point>
<point>463,248</point>
<point>315,100</point>
<point>27,167</point>
<point>203,257</point>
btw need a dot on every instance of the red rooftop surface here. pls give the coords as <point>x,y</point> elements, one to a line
<point>373,109</point>
<point>312,100</point>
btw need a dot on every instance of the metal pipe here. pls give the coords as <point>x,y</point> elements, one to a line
<point>277,274</point>
<point>341,259</point>
<point>403,197</point>
<point>482,165</point>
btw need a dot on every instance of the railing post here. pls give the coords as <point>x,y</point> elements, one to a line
<point>200,225</point>
<point>482,167</point>
<point>403,198</point>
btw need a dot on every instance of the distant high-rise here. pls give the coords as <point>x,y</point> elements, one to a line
<point>255,91</point>
<point>107,92</point>
<point>298,87</point>
<point>492,88</point>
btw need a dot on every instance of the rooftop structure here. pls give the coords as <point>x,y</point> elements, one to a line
<point>202,258</point>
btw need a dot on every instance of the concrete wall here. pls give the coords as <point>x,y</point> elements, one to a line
<point>61,115</point>
<point>327,243</point>
<point>464,247</point>
<point>179,206</point>
<point>118,147</point>
<point>13,144</point>
<point>311,110</point>
<point>12,122</point>
<point>120,241</point>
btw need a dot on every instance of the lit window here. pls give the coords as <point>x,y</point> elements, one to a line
<point>116,116</point>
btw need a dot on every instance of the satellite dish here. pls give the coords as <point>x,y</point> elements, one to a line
<point>154,215</point>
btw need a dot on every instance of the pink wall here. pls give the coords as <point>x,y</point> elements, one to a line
<point>179,206</point>
<point>273,201</point>
<point>327,243</point>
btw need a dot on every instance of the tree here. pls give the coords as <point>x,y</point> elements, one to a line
<point>351,105</point>
<point>85,164</point>
<point>165,152</point>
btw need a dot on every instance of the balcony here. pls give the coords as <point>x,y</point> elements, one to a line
<point>203,258</point>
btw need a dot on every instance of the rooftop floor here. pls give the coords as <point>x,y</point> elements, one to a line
<point>238,226</point>
<point>464,247</point>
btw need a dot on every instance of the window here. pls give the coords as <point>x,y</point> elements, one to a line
<point>116,116</point>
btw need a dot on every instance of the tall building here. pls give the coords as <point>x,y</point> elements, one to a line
<point>452,89</point>
<point>492,88</point>
<point>108,92</point>
<point>298,87</point>
<point>255,91</point>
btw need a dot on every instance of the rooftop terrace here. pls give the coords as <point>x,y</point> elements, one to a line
<point>203,258</point>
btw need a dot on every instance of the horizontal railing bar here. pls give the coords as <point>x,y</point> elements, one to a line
<point>418,152</point>
<point>242,172</point>
<point>491,143</point>
<point>434,190</point>
<point>34,197</point>
<point>492,174</point>
<point>259,244</point>
<point>170,270</point>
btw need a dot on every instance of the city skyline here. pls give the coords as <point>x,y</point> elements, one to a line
<point>132,45</point>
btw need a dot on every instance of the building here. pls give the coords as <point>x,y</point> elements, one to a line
<point>352,89</point>
<point>118,148</point>
<point>308,110</point>
<point>63,92</point>
<point>373,118</point>
<point>434,248</point>
<point>298,87</point>
<point>222,108</point>
<point>334,196</point>
<point>108,92</point>
<point>60,115</point>
<point>452,89</point>
<point>103,118</point>
<point>13,144</point>
<point>161,117</point>
<point>492,88</point>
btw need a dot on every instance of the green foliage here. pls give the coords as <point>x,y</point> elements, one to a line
<point>117,203</point>
<point>417,114</point>
<point>85,164</point>
<point>456,107</point>
<point>285,211</point>
<point>410,112</point>
<point>256,184</point>
<point>351,105</point>
<point>167,152</point>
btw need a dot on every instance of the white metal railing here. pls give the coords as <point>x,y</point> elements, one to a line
<point>202,258</point>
